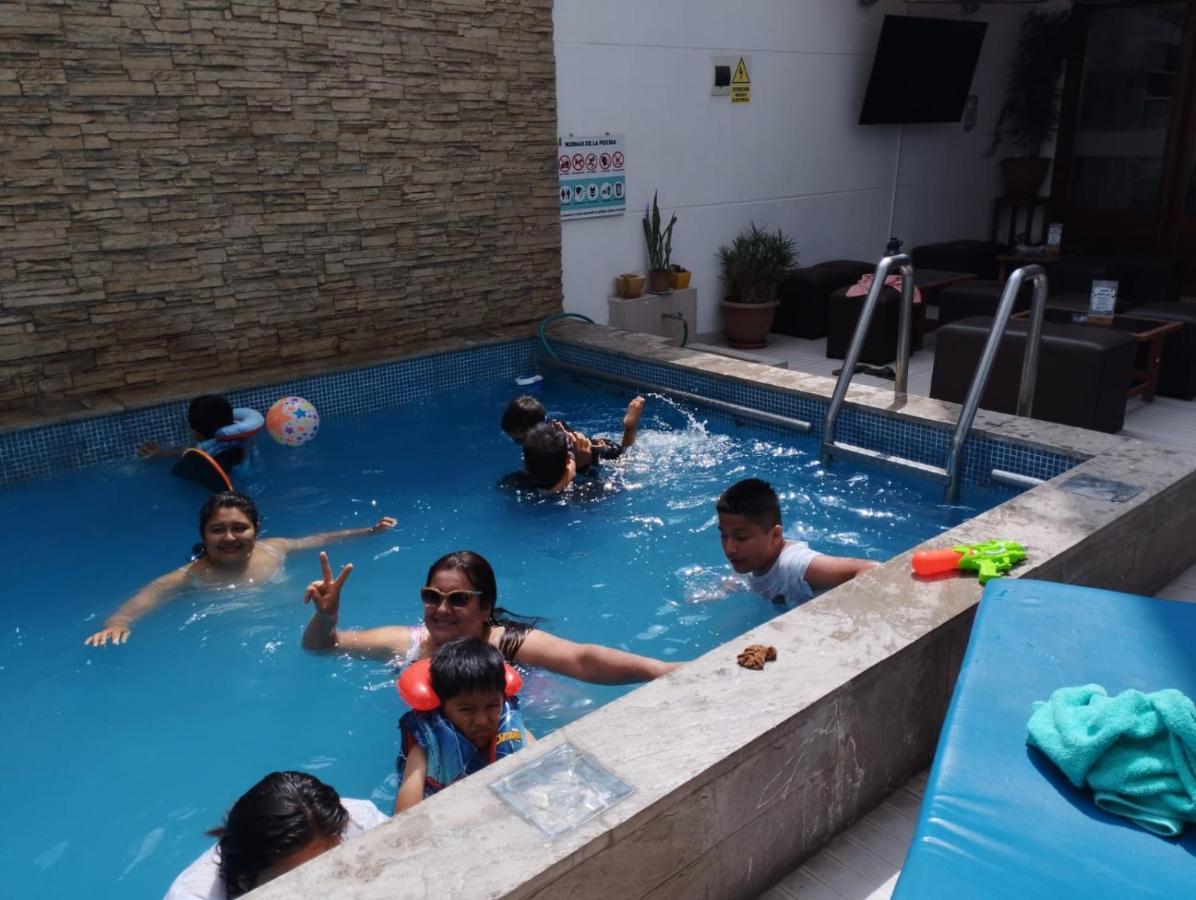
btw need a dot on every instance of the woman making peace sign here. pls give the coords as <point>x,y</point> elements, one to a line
<point>459,600</point>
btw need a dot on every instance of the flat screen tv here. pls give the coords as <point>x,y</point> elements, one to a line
<point>922,71</point>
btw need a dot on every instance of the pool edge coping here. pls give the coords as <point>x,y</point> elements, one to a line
<point>841,639</point>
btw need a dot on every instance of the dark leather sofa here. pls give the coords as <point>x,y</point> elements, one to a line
<point>1083,372</point>
<point>804,295</point>
<point>977,257</point>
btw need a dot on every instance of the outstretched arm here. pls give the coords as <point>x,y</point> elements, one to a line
<point>589,662</point>
<point>290,545</point>
<point>153,448</point>
<point>117,626</point>
<point>831,571</point>
<point>322,634</point>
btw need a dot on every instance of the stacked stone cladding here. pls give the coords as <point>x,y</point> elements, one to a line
<point>195,188</point>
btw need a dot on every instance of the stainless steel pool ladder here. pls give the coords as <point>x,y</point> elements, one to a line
<point>952,472</point>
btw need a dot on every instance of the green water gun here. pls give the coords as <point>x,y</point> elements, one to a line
<point>988,560</point>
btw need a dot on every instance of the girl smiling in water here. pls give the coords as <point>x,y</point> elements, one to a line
<point>230,555</point>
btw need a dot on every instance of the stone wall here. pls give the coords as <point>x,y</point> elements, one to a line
<point>194,188</point>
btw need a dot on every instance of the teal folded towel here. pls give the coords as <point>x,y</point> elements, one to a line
<point>1136,751</point>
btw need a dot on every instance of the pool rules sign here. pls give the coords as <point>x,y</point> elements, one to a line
<point>590,173</point>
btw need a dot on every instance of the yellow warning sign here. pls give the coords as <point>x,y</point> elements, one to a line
<point>741,84</point>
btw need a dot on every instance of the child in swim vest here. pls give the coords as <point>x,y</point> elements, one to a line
<point>553,454</point>
<point>464,716</point>
<point>783,571</point>
<point>221,432</point>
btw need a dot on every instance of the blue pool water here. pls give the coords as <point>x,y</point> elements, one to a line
<point>118,759</point>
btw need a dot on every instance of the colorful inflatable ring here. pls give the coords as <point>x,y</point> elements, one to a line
<point>246,423</point>
<point>415,685</point>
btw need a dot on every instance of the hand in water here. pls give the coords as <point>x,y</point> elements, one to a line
<point>384,524</point>
<point>326,594</point>
<point>118,634</point>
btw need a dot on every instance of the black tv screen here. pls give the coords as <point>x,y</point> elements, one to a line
<point>922,71</point>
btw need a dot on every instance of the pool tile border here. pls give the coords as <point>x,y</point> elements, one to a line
<point>41,450</point>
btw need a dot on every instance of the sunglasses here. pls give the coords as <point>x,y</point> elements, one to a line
<point>455,599</point>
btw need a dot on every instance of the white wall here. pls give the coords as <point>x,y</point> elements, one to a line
<point>792,158</point>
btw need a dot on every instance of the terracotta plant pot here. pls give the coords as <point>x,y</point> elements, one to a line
<point>747,324</point>
<point>680,280</point>
<point>659,281</point>
<point>1023,175</point>
<point>629,285</point>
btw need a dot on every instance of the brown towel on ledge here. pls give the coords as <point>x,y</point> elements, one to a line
<point>755,656</point>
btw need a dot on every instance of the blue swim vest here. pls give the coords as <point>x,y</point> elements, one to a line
<point>451,755</point>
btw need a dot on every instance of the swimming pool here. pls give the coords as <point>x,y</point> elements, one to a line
<point>127,755</point>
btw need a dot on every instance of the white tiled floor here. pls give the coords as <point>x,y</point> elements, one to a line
<point>863,862</point>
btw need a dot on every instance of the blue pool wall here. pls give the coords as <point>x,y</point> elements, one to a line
<point>70,445</point>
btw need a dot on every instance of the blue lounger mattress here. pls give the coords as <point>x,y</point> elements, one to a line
<point>998,819</point>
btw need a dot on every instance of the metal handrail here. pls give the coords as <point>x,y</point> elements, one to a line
<point>906,266</point>
<point>1025,395</point>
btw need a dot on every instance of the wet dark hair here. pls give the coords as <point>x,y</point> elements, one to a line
<point>523,414</point>
<point>209,413</point>
<point>467,664</point>
<point>755,500</point>
<point>481,576</point>
<point>225,500</point>
<point>545,455</point>
<point>281,814</point>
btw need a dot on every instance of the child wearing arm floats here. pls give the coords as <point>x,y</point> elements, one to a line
<point>464,716</point>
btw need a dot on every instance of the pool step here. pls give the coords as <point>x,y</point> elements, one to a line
<point>937,473</point>
<point>745,355</point>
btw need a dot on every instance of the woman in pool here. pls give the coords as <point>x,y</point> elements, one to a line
<point>281,822</point>
<point>230,555</point>
<point>459,601</point>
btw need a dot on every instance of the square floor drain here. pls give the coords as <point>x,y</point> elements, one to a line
<point>1101,488</point>
<point>561,790</point>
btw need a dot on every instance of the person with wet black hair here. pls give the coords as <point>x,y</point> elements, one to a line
<point>206,415</point>
<point>526,422</point>
<point>546,455</point>
<point>284,820</point>
<point>229,553</point>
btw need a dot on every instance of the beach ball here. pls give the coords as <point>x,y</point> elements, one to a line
<point>292,421</point>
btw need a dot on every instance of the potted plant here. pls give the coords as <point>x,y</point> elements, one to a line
<point>679,277</point>
<point>660,247</point>
<point>1030,113</point>
<point>752,266</point>
<point>629,285</point>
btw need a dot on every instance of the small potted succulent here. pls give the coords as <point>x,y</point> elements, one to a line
<point>752,267</point>
<point>660,248</point>
<point>679,276</point>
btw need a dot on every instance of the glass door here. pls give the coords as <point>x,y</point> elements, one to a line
<point>1117,146</point>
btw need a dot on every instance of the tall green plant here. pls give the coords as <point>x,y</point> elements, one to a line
<point>1030,113</point>
<point>660,243</point>
<point>754,264</point>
